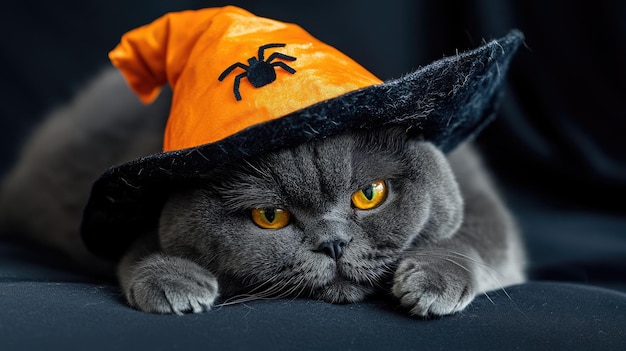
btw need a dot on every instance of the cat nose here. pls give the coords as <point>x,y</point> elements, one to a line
<point>333,249</point>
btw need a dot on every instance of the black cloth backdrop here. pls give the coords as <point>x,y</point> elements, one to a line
<point>561,124</point>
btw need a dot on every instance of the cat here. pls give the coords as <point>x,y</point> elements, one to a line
<point>347,217</point>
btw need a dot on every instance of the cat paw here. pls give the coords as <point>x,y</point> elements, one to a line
<point>432,288</point>
<point>165,284</point>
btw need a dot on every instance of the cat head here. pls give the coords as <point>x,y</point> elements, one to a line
<point>326,220</point>
<point>447,102</point>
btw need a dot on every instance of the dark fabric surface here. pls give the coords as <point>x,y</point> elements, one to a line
<point>569,243</point>
<point>557,150</point>
<point>537,316</point>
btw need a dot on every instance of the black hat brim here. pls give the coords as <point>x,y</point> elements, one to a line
<point>445,103</point>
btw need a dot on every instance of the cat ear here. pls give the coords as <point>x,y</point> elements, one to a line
<point>156,53</point>
<point>432,174</point>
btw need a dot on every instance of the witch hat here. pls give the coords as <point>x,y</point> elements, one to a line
<point>245,85</point>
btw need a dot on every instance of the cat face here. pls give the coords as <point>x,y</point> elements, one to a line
<point>326,220</point>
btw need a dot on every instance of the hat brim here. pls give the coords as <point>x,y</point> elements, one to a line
<point>445,103</point>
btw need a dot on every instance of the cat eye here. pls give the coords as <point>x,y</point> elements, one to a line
<point>370,196</point>
<point>270,218</point>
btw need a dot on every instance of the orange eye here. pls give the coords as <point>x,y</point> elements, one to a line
<point>270,218</point>
<point>370,196</point>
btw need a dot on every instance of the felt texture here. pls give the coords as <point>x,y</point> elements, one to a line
<point>445,102</point>
<point>191,50</point>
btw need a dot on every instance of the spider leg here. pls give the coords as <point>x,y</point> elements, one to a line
<point>280,56</point>
<point>284,66</point>
<point>267,46</point>
<point>236,85</point>
<point>230,69</point>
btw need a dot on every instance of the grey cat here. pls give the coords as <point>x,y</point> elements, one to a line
<point>346,217</point>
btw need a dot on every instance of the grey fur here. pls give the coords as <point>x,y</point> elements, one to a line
<point>42,197</point>
<point>441,236</point>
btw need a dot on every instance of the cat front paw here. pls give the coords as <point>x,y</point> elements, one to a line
<point>433,287</point>
<point>166,284</point>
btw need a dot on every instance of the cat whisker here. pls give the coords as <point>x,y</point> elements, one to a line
<point>464,268</point>
<point>376,275</point>
<point>304,286</point>
<point>293,289</point>
<point>250,295</point>
<point>448,254</point>
<point>488,298</point>
<point>490,270</point>
<point>455,263</point>
<point>259,286</point>
<point>244,298</point>
<point>469,258</point>
<point>275,291</point>
<point>257,169</point>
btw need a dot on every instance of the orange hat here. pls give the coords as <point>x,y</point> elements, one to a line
<point>245,85</point>
<point>230,70</point>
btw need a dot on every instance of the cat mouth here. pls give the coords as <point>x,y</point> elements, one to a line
<point>342,288</point>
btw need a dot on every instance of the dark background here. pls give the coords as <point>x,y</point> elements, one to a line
<point>562,125</point>
<point>558,148</point>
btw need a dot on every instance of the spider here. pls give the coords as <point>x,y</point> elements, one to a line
<point>259,72</point>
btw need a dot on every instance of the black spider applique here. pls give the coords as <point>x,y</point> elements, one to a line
<point>259,72</point>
